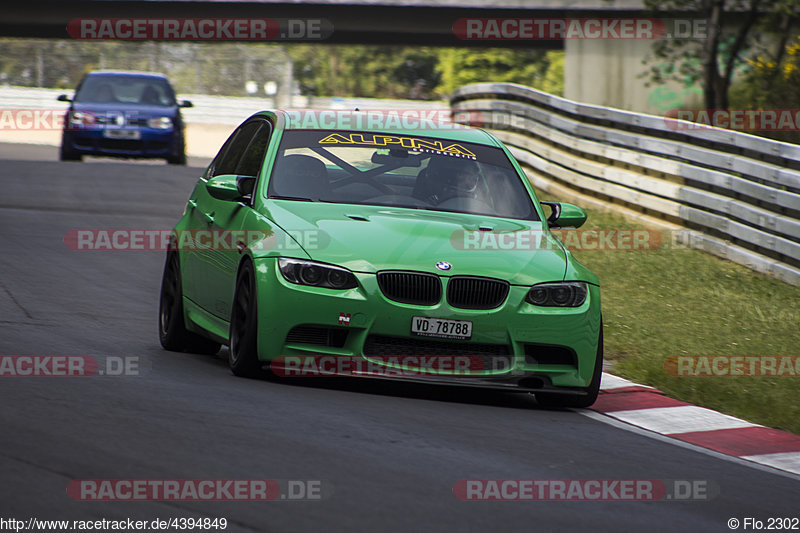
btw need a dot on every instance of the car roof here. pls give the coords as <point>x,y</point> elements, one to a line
<point>340,120</point>
<point>132,73</point>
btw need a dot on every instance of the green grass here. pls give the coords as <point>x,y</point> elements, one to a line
<point>679,301</point>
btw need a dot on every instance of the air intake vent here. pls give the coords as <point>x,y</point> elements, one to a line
<point>476,293</point>
<point>490,356</point>
<point>411,287</point>
<point>332,337</point>
<point>544,354</point>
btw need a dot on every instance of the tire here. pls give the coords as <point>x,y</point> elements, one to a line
<point>178,157</point>
<point>177,160</point>
<point>243,353</point>
<point>171,326</point>
<point>547,399</point>
<point>65,154</point>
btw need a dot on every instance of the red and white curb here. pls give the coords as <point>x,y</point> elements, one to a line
<point>649,409</point>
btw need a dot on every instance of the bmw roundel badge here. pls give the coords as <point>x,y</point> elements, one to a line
<point>443,265</point>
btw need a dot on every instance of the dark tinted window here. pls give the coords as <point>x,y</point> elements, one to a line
<point>111,89</point>
<point>399,170</point>
<point>250,163</point>
<point>212,169</point>
<point>235,147</point>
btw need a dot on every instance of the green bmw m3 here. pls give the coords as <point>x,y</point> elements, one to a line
<point>424,253</point>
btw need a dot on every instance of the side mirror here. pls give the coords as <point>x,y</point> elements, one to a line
<point>63,98</point>
<point>565,215</point>
<point>185,103</point>
<point>231,187</point>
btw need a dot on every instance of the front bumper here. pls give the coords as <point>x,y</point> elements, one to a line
<point>523,347</point>
<point>151,144</point>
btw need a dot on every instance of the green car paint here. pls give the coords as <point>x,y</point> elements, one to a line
<point>365,239</point>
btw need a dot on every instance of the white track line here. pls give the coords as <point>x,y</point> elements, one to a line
<point>741,461</point>
<point>789,461</point>
<point>679,419</point>
<point>610,382</point>
<point>664,423</point>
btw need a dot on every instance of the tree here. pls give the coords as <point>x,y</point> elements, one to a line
<point>460,66</point>
<point>419,73</point>
<point>320,70</point>
<point>772,84</point>
<point>734,29</point>
<point>365,71</point>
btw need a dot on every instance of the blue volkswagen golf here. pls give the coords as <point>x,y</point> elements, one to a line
<point>124,114</point>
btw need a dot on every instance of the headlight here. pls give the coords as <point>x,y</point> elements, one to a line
<point>316,274</point>
<point>159,123</point>
<point>565,294</point>
<point>79,118</point>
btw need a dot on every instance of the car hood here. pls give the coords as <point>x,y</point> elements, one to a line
<point>371,238</point>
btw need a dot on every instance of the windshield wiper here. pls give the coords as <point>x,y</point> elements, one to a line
<point>296,198</point>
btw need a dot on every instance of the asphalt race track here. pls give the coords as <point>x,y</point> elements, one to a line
<point>387,455</point>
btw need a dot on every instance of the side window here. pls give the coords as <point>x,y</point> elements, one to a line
<point>212,168</point>
<point>236,147</point>
<point>250,163</point>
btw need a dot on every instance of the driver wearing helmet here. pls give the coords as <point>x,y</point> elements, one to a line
<point>448,177</point>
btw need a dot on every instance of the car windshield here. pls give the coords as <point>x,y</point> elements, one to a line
<point>144,90</point>
<point>398,171</point>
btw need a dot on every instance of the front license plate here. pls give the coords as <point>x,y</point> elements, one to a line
<point>122,134</point>
<point>441,327</point>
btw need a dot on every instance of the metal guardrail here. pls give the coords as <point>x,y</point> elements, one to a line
<point>737,195</point>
